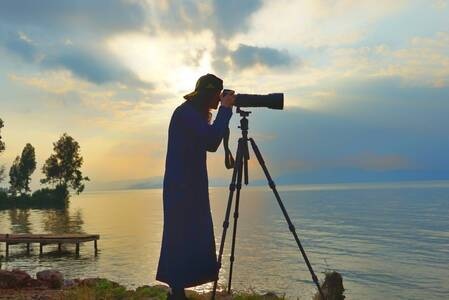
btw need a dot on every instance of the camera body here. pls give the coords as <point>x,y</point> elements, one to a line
<point>273,100</point>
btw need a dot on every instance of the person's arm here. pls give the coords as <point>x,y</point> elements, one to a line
<point>210,135</point>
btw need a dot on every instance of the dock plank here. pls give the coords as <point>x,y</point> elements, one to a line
<point>45,239</point>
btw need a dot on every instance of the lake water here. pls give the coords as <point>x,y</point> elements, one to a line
<point>389,241</point>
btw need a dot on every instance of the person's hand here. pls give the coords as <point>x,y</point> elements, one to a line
<point>228,99</point>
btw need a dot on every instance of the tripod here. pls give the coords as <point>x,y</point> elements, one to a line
<point>240,170</point>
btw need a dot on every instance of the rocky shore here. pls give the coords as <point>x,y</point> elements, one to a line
<point>51,285</point>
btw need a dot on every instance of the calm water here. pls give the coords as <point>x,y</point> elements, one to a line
<point>388,241</point>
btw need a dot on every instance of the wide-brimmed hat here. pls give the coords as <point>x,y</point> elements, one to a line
<point>208,82</point>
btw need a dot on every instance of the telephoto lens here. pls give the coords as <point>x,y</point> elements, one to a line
<point>273,100</point>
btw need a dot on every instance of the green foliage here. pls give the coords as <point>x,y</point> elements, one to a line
<point>152,292</point>
<point>106,289</point>
<point>14,177</point>
<point>63,167</point>
<point>27,165</point>
<point>2,148</point>
<point>21,170</point>
<point>102,289</point>
<point>44,198</point>
<point>2,144</point>
<point>48,195</point>
<point>2,173</point>
<point>3,195</point>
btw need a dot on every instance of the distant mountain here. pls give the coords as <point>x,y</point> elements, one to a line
<point>305,177</point>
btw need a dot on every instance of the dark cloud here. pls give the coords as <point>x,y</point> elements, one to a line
<point>247,56</point>
<point>232,16</point>
<point>87,23</point>
<point>31,29</point>
<point>223,17</point>
<point>93,66</point>
<point>19,45</point>
<point>69,16</point>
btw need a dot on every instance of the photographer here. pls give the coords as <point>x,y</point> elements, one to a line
<point>188,256</point>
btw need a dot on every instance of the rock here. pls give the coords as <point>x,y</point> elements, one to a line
<point>332,287</point>
<point>7,280</point>
<point>13,279</point>
<point>22,277</point>
<point>68,283</point>
<point>37,284</point>
<point>53,278</point>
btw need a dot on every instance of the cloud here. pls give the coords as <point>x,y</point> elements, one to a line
<point>68,17</point>
<point>365,161</point>
<point>19,44</point>
<point>96,67</point>
<point>247,56</point>
<point>53,82</point>
<point>422,61</point>
<point>376,162</point>
<point>69,35</point>
<point>224,18</point>
<point>315,23</point>
<point>234,15</point>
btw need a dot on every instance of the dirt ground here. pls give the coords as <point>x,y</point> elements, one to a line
<point>34,294</point>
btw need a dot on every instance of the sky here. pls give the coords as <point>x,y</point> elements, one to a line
<point>366,84</point>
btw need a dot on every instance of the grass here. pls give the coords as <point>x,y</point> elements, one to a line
<point>104,289</point>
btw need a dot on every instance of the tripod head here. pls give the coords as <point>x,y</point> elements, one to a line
<point>242,113</point>
<point>243,121</point>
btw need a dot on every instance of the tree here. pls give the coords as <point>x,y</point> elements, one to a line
<point>2,148</point>
<point>27,166</point>
<point>21,171</point>
<point>63,167</point>
<point>14,177</point>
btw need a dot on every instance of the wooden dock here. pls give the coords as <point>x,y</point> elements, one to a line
<point>46,239</point>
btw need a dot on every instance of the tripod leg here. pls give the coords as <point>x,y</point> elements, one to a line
<point>236,211</point>
<point>228,209</point>
<point>284,211</point>
<point>245,162</point>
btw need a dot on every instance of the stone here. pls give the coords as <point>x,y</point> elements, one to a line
<point>7,280</point>
<point>14,279</point>
<point>68,283</point>
<point>53,278</point>
<point>332,287</point>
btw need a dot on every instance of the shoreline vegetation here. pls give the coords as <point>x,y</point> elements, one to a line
<point>51,285</point>
<point>43,198</point>
<point>61,170</point>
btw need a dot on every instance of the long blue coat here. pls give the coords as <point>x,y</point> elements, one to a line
<point>188,255</point>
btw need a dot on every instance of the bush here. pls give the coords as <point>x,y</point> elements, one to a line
<point>47,195</point>
<point>3,195</point>
<point>43,198</point>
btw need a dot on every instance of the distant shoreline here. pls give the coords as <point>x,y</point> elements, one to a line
<point>310,186</point>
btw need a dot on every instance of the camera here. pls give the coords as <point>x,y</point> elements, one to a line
<point>273,100</point>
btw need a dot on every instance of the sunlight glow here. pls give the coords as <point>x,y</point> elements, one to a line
<point>173,63</point>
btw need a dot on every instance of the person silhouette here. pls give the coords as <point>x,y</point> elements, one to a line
<point>187,256</point>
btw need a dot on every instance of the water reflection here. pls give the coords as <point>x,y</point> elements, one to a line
<point>38,221</point>
<point>20,220</point>
<point>61,221</point>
